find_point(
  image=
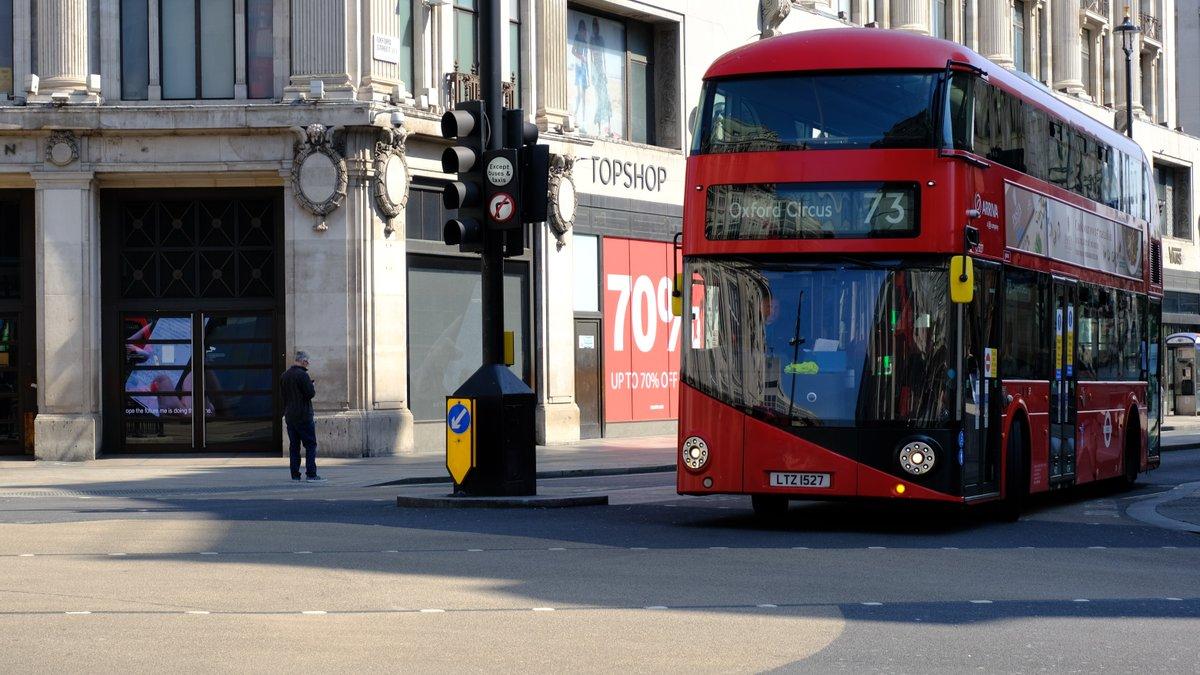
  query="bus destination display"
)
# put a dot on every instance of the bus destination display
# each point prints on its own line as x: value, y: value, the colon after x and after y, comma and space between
x: 811, y: 211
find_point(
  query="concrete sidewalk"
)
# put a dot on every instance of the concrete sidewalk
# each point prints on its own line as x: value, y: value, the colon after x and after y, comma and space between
x: 1181, y: 432
x: 207, y: 474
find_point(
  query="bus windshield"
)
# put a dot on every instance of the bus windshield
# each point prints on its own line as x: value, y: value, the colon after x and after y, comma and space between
x: 810, y: 111
x: 822, y: 344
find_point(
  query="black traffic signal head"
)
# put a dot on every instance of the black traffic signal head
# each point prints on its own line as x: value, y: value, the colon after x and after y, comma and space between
x: 467, y: 234
x: 465, y: 125
x: 517, y: 131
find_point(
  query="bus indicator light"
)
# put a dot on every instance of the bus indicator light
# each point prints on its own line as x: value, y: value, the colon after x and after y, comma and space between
x: 899, y: 489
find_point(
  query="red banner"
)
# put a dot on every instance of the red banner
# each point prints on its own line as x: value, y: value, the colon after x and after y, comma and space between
x: 641, y: 337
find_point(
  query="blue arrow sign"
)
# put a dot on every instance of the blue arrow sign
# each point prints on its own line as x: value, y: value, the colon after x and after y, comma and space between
x: 458, y: 419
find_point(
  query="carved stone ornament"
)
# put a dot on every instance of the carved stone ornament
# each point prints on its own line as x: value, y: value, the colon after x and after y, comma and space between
x: 771, y: 14
x: 563, y: 199
x: 62, y: 148
x: 391, y: 175
x: 319, y: 176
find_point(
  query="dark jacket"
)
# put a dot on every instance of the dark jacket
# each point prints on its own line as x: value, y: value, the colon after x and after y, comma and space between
x: 297, y: 391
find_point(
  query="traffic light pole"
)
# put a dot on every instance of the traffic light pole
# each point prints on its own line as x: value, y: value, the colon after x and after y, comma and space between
x: 492, y: 256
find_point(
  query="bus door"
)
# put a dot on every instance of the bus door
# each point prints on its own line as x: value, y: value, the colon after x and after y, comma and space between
x: 1062, y: 387
x: 979, y: 435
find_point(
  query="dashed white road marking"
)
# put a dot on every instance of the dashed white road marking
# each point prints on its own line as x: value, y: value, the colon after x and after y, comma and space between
x: 1097, y: 548
x: 981, y: 602
x: 474, y: 550
x: 115, y: 555
x: 77, y: 613
x: 556, y: 548
x: 208, y: 553
x: 799, y: 548
x: 543, y: 609
x: 768, y: 606
x: 314, y: 612
x: 950, y: 548
x: 876, y: 548
x: 301, y: 552
x: 26, y: 555
x: 390, y: 550
x: 718, y: 548
x: 873, y: 604
x: 638, y: 548
x: 1174, y: 599
x: 432, y: 611
x: 657, y: 607
x: 197, y: 611
x: 1081, y: 600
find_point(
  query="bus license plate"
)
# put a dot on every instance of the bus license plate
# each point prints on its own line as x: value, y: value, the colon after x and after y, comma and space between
x: 808, y: 480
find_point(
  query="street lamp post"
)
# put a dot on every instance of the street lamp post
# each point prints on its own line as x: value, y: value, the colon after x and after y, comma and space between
x: 1128, y: 33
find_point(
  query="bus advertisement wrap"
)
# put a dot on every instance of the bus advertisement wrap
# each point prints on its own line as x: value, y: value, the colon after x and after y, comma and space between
x: 1048, y: 227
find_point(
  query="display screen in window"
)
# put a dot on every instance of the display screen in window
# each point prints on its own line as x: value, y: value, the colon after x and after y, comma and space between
x: 596, y: 74
x: 811, y: 211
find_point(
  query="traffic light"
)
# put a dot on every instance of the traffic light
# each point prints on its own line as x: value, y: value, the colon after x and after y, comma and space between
x: 533, y: 165
x: 466, y: 124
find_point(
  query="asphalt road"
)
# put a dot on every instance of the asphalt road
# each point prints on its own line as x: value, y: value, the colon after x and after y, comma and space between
x: 325, y: 579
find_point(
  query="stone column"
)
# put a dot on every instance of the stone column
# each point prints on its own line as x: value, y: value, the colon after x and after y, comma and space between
x: 62, y: 27
x: 557, y: 413
x: 67, y: 259
x: 551, y: 29
x: 319, y: 47
x: 1045, y: 33
x: 911, y: 15
x: 344, y: 295
x: 1068, y: 45
x: 970, y: 36
x: 954, y: 21
x: 995, y: 31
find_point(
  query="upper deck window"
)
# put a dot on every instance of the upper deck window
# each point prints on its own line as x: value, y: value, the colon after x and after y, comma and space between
x: 811, y: 111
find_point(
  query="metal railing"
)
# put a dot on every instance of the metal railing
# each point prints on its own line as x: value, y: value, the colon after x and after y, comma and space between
x: 468, y: 87
x: 1151, y: 26
x: 1101, y: 7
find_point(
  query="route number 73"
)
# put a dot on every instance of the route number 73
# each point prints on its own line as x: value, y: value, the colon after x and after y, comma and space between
x: 895, y: 214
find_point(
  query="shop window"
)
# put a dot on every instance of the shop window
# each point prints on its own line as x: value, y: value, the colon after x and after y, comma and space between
x: 466, y: 36
x: 1018, y: 30
x: 611, y: 75
x: 514, y: 50
x: 260, y: 51
x: 1172, y: 186
x: 10, y: 253
x: 196, y: 49
x: 6, y: 47
x: 937, y: 18
x: 445, y: 327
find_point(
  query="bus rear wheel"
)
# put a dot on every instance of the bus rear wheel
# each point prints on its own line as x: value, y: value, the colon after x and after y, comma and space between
x: 1132, y: 457
x: 769, y: 506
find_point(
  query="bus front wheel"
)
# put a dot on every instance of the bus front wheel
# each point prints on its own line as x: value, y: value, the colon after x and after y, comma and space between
x: 1016, y: 479
x: 769, y: 506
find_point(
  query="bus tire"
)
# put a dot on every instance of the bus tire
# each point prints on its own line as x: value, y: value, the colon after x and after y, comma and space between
x: 769, y: 506
x: 1016, y: 481
x: 1132, y: 457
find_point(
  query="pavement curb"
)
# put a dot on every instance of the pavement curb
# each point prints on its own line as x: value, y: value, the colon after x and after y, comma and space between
x: 563, y: 473
x: 530, y: 502
x: 1146, y: 510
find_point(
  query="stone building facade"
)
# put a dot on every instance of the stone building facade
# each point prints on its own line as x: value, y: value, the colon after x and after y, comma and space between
x: 193, y: 189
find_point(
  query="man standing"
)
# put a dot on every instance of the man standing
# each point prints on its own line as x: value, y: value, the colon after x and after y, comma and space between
x: 297, y: 390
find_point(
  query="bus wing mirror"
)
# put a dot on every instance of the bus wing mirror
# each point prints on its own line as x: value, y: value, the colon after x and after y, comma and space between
x: 962, y: 279
x: 677, y: 296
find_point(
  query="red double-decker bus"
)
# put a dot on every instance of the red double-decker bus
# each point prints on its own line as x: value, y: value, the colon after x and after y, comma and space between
x: 910, y: 274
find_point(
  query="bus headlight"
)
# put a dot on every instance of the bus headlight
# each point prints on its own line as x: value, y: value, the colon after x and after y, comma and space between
x: 917, y: 457
x: 695, y: 453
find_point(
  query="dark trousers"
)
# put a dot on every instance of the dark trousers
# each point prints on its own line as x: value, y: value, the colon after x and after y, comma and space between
x: 302, y: 431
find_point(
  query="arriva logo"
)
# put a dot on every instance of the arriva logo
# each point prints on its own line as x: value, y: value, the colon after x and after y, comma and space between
x: 986, y: 208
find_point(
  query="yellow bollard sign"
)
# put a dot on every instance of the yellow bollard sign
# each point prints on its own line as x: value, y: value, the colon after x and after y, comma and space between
x: 460, y: 437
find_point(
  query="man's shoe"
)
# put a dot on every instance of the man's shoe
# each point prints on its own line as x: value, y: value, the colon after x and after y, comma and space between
x: 315, y: 479
x: 296, y: 477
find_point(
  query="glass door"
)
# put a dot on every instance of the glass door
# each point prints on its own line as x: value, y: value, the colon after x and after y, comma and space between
x: 165, y: 379
x: 1062, y: 388
x: 157, y: 382
x: 978, y: 439
x: 239, y: 381
x: 11, y: 419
